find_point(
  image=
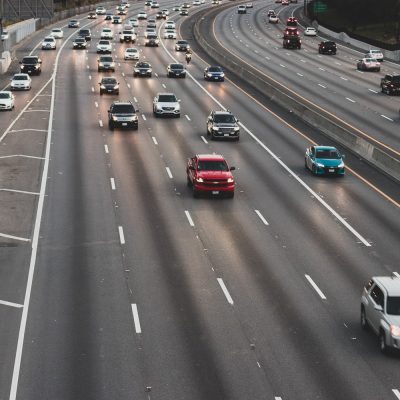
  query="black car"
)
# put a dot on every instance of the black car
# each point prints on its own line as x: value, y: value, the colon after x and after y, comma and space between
x: 292, y: 42
x: 151, y: 40
x: 79, y: 43
x: 176, y: 70
x: 73, y: 23
x: 142, y: 69
x: 214, y: 74
x: 161, y: 15
x: 184, y: 12
x: 108, y: 17
x: 223, y: 125
x: 85, y: 33
x: 123, y: 115
x: 109, y: 84
x: 31, y: 65
x: 327, y: 47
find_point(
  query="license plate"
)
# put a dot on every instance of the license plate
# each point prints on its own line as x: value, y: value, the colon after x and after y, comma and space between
x: 215, y: 192
x: 226, y: 134
x: 215, y: 77
x: 331, y: 170
x: 124, y: 124
x: 109, y: 90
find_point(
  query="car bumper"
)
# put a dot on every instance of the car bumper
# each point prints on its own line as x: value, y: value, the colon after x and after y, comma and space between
x: 142, y: 74
x: 106, y: 68
x: 103, y: 51
x: 177, y: 74
x: 214, y: 78
x: 225, y: 135
x: 126, y: 124
x: 214, y: 189
x: 329, y: 171
x: 6, y: 106
x: 167, y: 112
x: 20, y: 87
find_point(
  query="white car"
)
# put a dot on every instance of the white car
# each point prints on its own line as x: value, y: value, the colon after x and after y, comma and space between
x: 196, y: 2
x: 106, y: 33
x: 57, y: 33
x: 169, y: 34
x: 6, y: 100
x: 100, y: 10
x: 49, y: 43
x: 166, y: 104
x: 155, y: 4
x: 249, y: 5
x: 131, y: 53
x: 21, y: 82
x: 149, y: 31
x: 273, y: 19
x: 170, y: 25
x: 165, y: 11
x: 142, y: 15
x: 104, y: 46
x: 377, y: 54
x: 134, y: 22
x: 310, y: 32
x: 4, y: 35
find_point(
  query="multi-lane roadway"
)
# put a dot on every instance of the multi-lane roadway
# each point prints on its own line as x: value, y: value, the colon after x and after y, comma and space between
x: 115, y: 283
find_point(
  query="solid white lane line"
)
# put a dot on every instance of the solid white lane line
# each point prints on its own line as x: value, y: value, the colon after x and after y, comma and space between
x: 96, y: 104
x: 372, y: 90
x: 136, y: 321
x: 169, y: 172
x: 187, y: 117
x: 90, y: 77
x: 204, y: 139
x: 10, y: 304
x: 100, y: 123
x: 298, y: 73
x: 4, y: 235
x: 135, y: 99
x: 316, y: 288
x: 144, y: 117
x: 112, y: 180
x: 191, y: 223
x: 261, y: 217
x: 163, y: 85
x: 351, y: 100
x: 22, y: 155
x: 283, y: 66
x: 396, y: 393
x: 396, y: 274
x: 225, y: 290
x: 319, y: 84
x: 384, y: 116
x: 154, y: 140
x: 345, y: 79
x: 106, y: 149
x: 278, y: 398
x: 129, y: 85
x: 27, y: 129
x: 18, y: 191
x: 121, y: 234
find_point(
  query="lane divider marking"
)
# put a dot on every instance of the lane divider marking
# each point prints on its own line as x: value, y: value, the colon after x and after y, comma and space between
x: 191, y: 223
x: 4, y: 235
x: 261, y: 217
x: 136, y: 320
x: 169, y: 172
x: 225, y: 291
x: 112, y: 181
x: 316, y: 288
x: 121, y: 234
x: 10, y: 304
x: 106, y: 149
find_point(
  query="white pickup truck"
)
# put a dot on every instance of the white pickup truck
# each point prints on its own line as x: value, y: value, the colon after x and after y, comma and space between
x: 127, y: 35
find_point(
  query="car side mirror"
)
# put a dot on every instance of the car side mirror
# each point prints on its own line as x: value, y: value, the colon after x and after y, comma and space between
x: 232, y: 168
x: 343, y: 156
x: 378, y: 308
x: 20, y: 62
x: 179, y: 100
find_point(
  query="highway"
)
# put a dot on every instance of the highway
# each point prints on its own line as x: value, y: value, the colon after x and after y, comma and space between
x: 115, y: 283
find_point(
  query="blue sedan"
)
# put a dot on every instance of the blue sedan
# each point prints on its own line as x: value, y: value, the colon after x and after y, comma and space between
x: 214, y: 74
x: 324, y: 160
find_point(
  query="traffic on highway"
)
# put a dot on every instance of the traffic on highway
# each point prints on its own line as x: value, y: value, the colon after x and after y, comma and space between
x: 168, y: 231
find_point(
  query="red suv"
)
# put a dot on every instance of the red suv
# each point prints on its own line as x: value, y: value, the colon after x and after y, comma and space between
x: 291, y: 21
x: 290, y: 31
x: 210, y: 173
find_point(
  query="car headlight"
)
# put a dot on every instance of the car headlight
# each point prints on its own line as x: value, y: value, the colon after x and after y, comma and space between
x: 116, y: 86
x: 341, y: 165
x: 209, y: 75
x: 230, y: 180
x: 236, y: 128
x: 215, y: 128
x: 22, y: 66
x: 137, y: 70
x: 36, y: 66
x: 319, y: 165
x: 199, y: 179
x: 102, y: 86
x: 149, y: 70
x: 395, y: 330
x: 114, y: 118
x: 134, y: 118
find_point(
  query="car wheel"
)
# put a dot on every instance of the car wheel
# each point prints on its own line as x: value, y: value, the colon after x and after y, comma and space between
x: 188, y: 181
x: 101, y: 93
x: 195, y: 193
x: 110, y: 126
x: 314, y: 169
x: 363, y: 319
x: 177, y: 115
x: 230, y: 195
x: 382, y: 342
x: 134, y: 75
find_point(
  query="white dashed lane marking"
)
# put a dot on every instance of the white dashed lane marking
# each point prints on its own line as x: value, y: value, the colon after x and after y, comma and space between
x: 316, y: 288
x: 189, y: 218
x: 225, y: 291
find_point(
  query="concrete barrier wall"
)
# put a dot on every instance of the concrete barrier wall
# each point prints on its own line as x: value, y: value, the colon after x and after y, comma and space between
x: 314, y: 116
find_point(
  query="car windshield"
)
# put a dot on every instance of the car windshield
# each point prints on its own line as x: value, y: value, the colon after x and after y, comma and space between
x: 49, y: 40
x: 109, y: 81
x: 328, y: 154
x: 214, y: 69
x: 167, y: 98
x: 181, y: 42
x: 80, y: 40
x: 106, y: 59
x: 104, y: 42
x: 29, y: 60
x: 4, y: 96
x: 106, y: 30
x: 126, y: 32
x: 369, y: 60
x: 212, y: 165
x: 224, y: 118
x: 176, y: 66
x: 393, y: 305
x: 131, y: 50
x: 152, y: 36
x: 395, y: 79
x: 123, y: 109
x: 143, y: 65
x: 20, y: 78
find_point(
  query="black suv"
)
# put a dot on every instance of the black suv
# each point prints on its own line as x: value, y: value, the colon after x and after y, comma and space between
x: 292, y: 42
x: 327, y: 47
x: 176, y: 70
x: 85, y: 33
x: 31, y: 65
x: 142, y: 69
x: 123, y: 115
x: 390, y: 84
x: 109, y: 84
x: 222, y: 124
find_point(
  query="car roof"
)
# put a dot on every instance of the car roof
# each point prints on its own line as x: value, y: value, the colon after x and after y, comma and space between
x: 25, y: 57
x: 221, y: 112
x: 210, y: 157
x: 166, y: 94
x: 325, y: 148
x: 390, y: 283
x: 21, y: 74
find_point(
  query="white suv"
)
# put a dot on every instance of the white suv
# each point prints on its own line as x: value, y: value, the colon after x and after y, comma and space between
x: 377, y: 54
x: 100, y: 10
x: 380, y: 310
x: 104, y: 46
x: 166, y: 104
x: 106, y: 33
x: 127, y: 35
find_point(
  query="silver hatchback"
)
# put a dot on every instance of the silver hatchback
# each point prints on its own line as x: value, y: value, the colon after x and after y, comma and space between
x: 380, y: 310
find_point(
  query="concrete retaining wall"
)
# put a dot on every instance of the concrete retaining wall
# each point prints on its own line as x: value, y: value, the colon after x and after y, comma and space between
x: 307, y: 111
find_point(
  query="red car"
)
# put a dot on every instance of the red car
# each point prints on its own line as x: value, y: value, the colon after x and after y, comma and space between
x: 210, y: 173
x: 290, y: 31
